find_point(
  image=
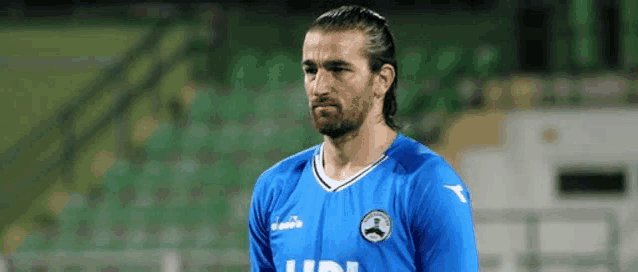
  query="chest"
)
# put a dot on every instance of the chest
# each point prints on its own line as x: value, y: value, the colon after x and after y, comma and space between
x: 348, y: 225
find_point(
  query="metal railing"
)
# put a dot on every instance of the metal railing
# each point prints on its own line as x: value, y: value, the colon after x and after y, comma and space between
x: 226, y: 259
x: 166, y: 260
x: 533, y: 259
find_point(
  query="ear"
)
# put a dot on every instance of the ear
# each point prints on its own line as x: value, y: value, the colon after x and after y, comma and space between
x: 384, y: 79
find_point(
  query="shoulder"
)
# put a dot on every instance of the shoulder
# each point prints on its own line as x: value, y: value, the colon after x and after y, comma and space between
x: 416, y: 158
x: 424, y: 170
x: 284, y: 170
x: 432, y: 186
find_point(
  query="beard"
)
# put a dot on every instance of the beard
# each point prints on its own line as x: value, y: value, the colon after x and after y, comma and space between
x: 335, y: 123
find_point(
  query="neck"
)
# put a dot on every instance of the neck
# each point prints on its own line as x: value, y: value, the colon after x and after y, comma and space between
x: 358, y: 148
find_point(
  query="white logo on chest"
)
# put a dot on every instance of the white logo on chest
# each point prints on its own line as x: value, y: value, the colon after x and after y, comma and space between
x: 292, y: 223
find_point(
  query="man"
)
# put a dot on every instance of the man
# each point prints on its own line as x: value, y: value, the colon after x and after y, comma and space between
x: 367, y: 198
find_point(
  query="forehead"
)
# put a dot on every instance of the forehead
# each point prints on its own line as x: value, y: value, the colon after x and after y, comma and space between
x: 319, y: 46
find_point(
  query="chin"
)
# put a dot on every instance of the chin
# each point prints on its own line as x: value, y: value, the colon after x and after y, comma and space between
x: 336, y: 130
x: 334, y: 133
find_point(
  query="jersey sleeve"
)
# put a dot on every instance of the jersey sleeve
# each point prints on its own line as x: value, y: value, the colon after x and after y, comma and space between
x: 442, y: 224
x: 261, y: 258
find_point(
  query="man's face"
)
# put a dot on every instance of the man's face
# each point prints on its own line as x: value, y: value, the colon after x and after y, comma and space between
x: 338, y: 81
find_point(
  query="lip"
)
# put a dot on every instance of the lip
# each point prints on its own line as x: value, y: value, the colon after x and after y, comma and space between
x: 324, y: 106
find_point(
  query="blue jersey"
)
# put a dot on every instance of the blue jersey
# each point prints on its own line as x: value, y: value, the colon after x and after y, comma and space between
x: 409, y: 211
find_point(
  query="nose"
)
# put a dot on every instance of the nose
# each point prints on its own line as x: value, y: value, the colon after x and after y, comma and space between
x: 321, y: 84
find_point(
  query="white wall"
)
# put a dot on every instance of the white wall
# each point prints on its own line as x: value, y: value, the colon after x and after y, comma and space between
x: 521, y: 174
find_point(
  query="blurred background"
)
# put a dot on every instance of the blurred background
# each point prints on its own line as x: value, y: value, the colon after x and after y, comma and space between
x: 133, y: 133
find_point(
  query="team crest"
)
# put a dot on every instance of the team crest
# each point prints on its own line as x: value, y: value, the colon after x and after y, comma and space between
x: 376, y: 226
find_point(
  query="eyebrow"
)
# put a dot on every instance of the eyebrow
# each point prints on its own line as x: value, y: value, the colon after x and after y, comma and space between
x: 328, y: 63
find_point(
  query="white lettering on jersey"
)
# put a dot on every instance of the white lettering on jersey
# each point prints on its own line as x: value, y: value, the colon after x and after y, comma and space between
x: 352, y: 266
x: 457, y: 189
x: 308, y: 265
x: 324, y: 266
x: 290, y: 266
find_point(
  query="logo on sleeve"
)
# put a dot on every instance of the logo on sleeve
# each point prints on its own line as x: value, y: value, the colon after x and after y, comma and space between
x: 376, y: 226
x: 458, y: 190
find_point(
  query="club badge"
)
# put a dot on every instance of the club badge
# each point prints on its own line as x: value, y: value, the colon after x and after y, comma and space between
x: 376, y: 226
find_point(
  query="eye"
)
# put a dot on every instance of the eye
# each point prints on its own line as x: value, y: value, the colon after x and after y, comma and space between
x: 310, y: 71
x: 338, y: 70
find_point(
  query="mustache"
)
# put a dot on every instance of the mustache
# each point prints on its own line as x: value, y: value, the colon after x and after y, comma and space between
x: 322, y: 102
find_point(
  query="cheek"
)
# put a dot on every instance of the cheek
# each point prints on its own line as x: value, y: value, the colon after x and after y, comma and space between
x: 364, y: 96
x: 357, y: 104
x: 306, y: 86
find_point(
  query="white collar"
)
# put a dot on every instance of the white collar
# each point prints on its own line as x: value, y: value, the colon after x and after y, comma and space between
x: 332, y: 185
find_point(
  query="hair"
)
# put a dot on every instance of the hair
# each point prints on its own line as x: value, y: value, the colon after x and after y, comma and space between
x: 380, y: 46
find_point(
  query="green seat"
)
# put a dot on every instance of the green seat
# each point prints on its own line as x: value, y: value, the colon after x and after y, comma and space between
x: 204, y: 236
x: 161, y: 142
x: 194, y: 138
x: 69, y: 220
x: 202, y: 107
x: 120, y: 176
x: 171, y: 236
x: 34, y: 242
x: 105, y: 215
x: 135, y: 239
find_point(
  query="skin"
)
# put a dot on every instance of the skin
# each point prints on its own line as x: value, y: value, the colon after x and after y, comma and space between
x: 337, y: 77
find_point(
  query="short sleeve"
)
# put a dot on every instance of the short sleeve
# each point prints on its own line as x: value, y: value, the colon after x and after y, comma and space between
x: 442, y: 225
x: 261, y: 258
